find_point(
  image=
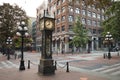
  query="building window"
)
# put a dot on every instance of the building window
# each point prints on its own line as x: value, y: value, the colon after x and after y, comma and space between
x: 77, y: 10
x: 63, y: 28
x: 70, y: 8
x: 103, y: 10
x: 63, y: 18
x: 83, y: 12
x: 83, y: 3
x: 103, y: 17
x: 63, y: 9
x: 58, y: 2
x: 49, y: 1
x: 63, y: 1
x: 98, y: 16
x: 58, y: 20
x: 58, y: 29
x: 94, y: 31
x: 89, y: 13
x: 70, y: 18
x: 70, y: 28
x: 54, y: 6
x: 70, y: 0
x: 93, y: 6
x: 83, y: 21
x: 89, y: 22
x: 50, y: 8
x: 98, y: 23
x: 77, y: 1
x: 94, y: 15
x: 94, y: 23
x: 90, y: 30
x: 89, y: 6
x: 58, y: 11
x: 99, y: 31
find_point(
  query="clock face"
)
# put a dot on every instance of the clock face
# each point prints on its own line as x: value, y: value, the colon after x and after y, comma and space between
x: 49, y: 24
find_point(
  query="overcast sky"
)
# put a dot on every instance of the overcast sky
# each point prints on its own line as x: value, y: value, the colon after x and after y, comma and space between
x: 28, y: 5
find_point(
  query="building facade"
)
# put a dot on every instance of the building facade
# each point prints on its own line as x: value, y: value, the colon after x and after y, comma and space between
x: 39, y: 12
x: 34, y: 35
x: 66, y: 12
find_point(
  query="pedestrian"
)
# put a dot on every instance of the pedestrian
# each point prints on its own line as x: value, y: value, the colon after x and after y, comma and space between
x: 72, y: 50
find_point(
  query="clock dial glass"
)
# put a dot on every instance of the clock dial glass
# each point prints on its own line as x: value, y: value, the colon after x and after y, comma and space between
x: 48, y: 45
x: 48, y: 24
x: 42, y: 25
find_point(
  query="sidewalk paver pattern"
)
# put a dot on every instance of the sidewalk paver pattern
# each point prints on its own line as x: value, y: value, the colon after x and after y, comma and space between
x: 81, y: 67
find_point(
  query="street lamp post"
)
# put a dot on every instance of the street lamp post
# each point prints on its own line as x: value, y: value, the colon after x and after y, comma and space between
x: 22, y: 31
x: 109, y: 39
x: 9, y: 42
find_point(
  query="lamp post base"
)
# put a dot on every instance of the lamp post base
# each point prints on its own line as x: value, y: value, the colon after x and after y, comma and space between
x: 22, y: 66
x: 8, y: 58
x: 109, y: 56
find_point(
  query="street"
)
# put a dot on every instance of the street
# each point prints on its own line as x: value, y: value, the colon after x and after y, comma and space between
x: 92, y: 64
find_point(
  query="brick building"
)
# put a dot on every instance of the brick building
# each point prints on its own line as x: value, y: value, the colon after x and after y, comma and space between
x: 66, y: 13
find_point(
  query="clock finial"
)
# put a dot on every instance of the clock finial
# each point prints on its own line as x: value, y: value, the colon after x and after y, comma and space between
x: 44, y: 13
x: 47, y: 12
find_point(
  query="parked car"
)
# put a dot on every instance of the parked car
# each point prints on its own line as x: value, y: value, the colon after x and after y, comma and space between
x: 115, y: 48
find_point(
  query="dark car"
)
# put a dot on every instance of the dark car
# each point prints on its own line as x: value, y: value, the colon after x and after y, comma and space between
x: 117, y: 48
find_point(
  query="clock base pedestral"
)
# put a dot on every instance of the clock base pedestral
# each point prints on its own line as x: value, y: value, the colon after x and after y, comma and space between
x: 46, y: 67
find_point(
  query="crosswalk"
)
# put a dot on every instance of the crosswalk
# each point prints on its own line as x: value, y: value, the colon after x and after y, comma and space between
x: 110, y: 70
x: 12, y: 64
x: 8, y: 64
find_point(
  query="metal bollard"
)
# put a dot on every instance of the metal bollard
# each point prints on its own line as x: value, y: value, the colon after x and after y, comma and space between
x: 118, y: 53
x: 67, y: 67
x: 104, y: 55
x: 55, y: 65
x: 28, y: 64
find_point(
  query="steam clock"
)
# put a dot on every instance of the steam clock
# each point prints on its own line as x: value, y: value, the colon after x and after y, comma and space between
x: 47, y: 24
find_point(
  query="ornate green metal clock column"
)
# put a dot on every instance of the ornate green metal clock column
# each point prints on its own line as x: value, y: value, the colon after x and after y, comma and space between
x: 46, y: 65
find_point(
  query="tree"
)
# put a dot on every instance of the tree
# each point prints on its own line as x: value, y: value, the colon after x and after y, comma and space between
x: 112, y: 23
x: 97, y: 3
x: 10, y: 15
x: 80, y: 34
x: 112, y: 9
x: 102, y: 4
x: 17, y: 42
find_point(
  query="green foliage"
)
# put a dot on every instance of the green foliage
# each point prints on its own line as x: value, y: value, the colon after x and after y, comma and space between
x: 101, y: 4
x: 112, y: 24
x: 112, y: 8
x: 17, y: 41
x: 80, y: 38
x: 10, y: 15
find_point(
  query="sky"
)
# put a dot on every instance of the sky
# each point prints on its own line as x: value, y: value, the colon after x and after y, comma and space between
x: 28, y: 5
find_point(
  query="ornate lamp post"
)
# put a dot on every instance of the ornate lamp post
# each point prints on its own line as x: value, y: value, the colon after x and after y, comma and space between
x: 9, y: 42
x: 109, y: 40
x: 22, y: 31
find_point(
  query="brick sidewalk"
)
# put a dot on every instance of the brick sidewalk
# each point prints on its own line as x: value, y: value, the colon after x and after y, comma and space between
x: 32, y: 74
x: 99, y: 60
x: 60, y: 74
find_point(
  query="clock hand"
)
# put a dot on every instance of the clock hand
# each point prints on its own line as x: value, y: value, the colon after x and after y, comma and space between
x: 48, y: 23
